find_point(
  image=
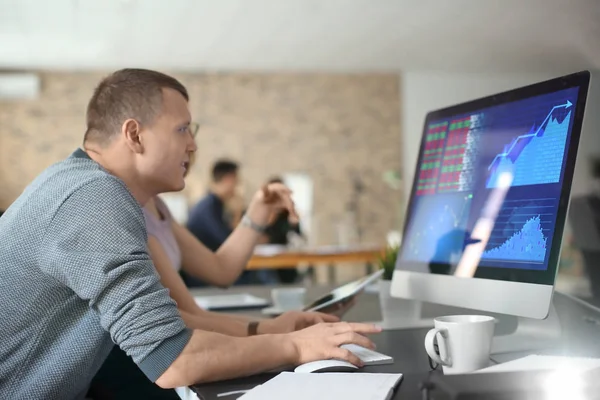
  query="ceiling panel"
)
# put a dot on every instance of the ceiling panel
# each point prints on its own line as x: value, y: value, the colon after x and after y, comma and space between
x: 311, y: 35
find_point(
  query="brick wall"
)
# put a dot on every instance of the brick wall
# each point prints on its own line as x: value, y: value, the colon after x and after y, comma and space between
x: 328, y: 126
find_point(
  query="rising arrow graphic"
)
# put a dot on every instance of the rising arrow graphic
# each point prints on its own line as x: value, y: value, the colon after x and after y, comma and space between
x: 566, y: 106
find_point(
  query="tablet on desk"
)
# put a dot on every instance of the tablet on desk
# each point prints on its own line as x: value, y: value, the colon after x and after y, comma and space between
x: 230, y: 301
x: 343, y: 293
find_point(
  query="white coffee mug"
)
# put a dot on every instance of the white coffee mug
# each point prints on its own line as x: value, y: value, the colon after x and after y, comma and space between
x: 464, y: 342
x: 286, y: 299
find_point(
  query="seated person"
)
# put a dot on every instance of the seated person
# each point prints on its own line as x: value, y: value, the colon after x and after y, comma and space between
x: 172, y: 247
x: 278, y: 232
x: 78, y: 279
x: 207, y: 220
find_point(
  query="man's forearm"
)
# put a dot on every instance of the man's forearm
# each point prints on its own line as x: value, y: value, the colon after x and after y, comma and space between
x: 239, y: 246
x: 212, y: 322
x: 240, y: 318
x: 210, y: 356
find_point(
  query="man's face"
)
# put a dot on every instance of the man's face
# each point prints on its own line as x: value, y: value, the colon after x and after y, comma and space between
x: 167, y: 145
x: 229, y: 184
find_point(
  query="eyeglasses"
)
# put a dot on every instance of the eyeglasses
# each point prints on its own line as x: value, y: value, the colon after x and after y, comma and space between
x: 194, y: 127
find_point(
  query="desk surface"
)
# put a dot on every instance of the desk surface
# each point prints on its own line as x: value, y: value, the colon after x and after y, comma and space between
x: 406, y: 346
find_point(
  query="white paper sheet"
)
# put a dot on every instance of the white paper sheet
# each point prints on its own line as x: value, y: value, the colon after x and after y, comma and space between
x: 326, y: 386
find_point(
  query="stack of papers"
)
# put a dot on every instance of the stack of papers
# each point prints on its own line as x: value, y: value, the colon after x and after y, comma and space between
x: 326, y: 386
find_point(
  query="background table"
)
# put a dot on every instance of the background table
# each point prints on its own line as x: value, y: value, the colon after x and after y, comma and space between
x: 291, y: 258
x: 329, y: 256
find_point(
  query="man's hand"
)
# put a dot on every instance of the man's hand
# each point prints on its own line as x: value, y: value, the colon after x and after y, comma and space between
x: 323, y: 341
x: 272, y: 198
x: 294, y: 320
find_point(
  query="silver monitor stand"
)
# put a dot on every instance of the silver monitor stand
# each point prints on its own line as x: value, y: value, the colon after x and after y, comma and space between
x: 514, y: 336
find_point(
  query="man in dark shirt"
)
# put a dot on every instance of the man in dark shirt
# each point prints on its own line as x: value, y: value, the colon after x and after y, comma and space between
x: 208, y: 220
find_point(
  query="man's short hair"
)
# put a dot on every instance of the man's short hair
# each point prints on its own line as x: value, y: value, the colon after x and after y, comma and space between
x: 222, y: 168
x: 127, y: 93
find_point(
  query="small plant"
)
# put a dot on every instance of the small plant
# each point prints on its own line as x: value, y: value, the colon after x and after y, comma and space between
x: 387, y: 261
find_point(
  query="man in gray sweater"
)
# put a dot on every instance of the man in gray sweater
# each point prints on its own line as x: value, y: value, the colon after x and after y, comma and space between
x: 76, y: 277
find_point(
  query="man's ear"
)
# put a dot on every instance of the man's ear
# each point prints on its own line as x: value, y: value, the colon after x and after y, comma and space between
x: 130, y: 130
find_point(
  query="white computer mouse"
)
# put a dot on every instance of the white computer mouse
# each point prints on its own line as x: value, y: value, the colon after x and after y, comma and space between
x: 326, y: 366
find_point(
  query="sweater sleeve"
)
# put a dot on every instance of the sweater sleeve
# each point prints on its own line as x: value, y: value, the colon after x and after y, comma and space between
x: 96, y: 245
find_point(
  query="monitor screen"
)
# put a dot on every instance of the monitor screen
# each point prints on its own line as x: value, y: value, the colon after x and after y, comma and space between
x: 531, y: 133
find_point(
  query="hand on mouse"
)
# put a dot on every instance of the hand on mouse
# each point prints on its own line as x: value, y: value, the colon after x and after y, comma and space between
x: 294, y: 320
x: 323, y: 341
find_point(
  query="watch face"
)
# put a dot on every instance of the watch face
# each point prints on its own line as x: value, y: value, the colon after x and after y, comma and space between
x: 246, y: 221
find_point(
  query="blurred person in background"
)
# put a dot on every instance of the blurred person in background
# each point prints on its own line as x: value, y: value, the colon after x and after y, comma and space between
x: 207, y: 220
x: 280, y: 230
x: 211, y: 224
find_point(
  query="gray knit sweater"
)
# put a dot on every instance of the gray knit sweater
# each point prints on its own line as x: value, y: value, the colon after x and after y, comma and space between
x: 74, y: 274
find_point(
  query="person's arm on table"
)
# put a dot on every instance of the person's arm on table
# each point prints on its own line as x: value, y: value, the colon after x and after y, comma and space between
x: 96, y: 246
x: 213, y: 323
x: 196, y: 317
x: 225, y: 266
x: 211, y: 356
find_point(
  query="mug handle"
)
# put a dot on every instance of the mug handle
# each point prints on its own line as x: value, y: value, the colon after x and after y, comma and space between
x: 439, y: 336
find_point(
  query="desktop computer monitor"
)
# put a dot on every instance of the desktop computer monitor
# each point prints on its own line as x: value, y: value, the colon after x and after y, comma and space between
x: 489, y: 200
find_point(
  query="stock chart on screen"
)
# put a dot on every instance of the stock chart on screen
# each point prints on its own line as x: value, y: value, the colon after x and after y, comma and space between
x: 535, y: 157
x: 520, y: 231
x: 461, y: 161
x: 432, y: 156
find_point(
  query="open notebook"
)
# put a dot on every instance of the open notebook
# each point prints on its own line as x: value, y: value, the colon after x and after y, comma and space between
x: 326, y: 386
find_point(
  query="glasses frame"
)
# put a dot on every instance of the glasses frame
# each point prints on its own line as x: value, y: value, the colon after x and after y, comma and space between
x: 193, y: 128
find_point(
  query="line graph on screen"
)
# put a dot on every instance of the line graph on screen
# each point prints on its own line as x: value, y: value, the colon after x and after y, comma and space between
x: 537, y: 156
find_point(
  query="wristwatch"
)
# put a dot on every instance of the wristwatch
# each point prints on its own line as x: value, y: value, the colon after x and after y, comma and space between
x: 246, y: 221
x: 253, y: 328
